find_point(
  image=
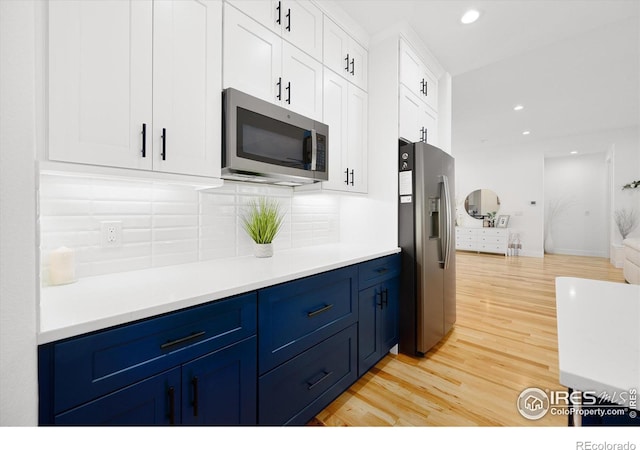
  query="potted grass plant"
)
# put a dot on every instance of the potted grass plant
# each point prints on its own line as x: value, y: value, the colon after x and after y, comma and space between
x: 262, y: 221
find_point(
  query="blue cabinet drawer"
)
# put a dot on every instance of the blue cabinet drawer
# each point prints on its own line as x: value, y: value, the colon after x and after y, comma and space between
x: 377, y: 270
x: 297, y: 315
x: 87, y: 367
x: 295, y: 392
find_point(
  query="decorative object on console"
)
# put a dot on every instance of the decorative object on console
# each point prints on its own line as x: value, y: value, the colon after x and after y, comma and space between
x: 262, y: 222
x: 503, y: 221
x: 626, y: 220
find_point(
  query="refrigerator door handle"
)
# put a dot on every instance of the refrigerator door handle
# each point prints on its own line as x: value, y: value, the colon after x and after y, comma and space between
x: 448, y: 232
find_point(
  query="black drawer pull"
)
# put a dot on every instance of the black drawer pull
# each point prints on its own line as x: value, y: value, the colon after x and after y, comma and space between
x: 182, y: 340
x: 382, y: 270
x: 324, y: 377
x: 144, y: 140
x: 164, y: 144
x: 325, y: 308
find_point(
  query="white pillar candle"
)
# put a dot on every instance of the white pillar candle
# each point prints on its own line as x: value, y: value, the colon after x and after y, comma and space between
x: 62, y: 268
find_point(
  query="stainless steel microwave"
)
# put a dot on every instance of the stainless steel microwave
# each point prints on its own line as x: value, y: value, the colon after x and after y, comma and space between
x: 266, y: 143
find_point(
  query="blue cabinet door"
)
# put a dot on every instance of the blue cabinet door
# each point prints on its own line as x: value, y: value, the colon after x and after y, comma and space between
x: 370, y: 311
x: 220, y: 388
x: 154, y: 401
x: 389, y: 322
x: 377, y: 322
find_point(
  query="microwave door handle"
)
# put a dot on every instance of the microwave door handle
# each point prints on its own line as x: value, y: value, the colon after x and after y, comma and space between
x: 314, y: 149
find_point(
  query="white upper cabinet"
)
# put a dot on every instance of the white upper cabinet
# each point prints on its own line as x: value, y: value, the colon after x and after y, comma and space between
x: 260, y: 63
x: 345, y: 112
x: 252, y: 56
x: 187, y: 53
x: 417, y: 121
x: 299, y: 22
x: 302, y: 92
x: 344, y: 55
x: 100, y: 73
x: 124, y: 74
x: 415, y: 75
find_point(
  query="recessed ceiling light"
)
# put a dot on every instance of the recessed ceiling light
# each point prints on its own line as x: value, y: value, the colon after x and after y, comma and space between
x: 518, y: 107
x: 574, y: 152
x: 526, y: 132
x: 470, y: 16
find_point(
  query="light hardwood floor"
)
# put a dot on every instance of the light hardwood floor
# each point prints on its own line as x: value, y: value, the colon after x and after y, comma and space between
x: 504, y: 340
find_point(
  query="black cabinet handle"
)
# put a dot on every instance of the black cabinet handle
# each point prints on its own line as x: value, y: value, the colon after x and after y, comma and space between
x: 385, y: 298
x: 288, y: 27
x: 422, y: 86
x: 426, y: 90
x: 347, y: 174
x: 422, y: 134
x: 288, y: 100
x: 144, y: 140
x: 194, y: 383
x: 347, y: 61
x: 164, y: 143
x: 381, y: 300
x: 425, y: 135
x: 172, y: 406
x: 353, y: 66
x: 182, y: 340
x: 279, y: 9
x: 279, y: 84
x: 325, y: 308
x: 382, y: 270
x: 324, y: 377
x: 352, y: 177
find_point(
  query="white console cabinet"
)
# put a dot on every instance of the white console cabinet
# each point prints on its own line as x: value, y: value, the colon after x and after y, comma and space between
x: 490, y: 240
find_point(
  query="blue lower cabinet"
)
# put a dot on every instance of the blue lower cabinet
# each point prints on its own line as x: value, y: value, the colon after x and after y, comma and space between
x: 293, y: 393
x: 220, y: 388
x: 154, y: 401
x: 127, y: 374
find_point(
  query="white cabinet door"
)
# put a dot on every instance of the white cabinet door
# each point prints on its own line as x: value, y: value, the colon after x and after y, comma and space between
x: 100, y: 79
x: 343, y: 55
x: 299, y: 22
x: 187, y: 86
x: 345, y: 112
x: 252, y: 57
x: 409, y: 116
x: 417, y: 77
x: 417, y: 121
x: 429, y: 121
x: 302, y: 82
x: 302, y: 26
x: 336, y: 117
x: 357, y: 129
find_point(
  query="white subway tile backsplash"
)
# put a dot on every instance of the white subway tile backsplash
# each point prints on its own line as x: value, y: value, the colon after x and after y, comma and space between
x: 164, y: 224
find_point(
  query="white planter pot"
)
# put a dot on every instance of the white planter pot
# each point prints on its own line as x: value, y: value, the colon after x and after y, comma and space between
x: 263, y: 250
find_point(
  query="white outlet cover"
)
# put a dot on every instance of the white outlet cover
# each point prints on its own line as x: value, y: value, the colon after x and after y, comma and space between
x: 111, y: 234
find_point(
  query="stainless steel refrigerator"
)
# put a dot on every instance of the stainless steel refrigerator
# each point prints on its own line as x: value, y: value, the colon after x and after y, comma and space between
x: 426, y: 235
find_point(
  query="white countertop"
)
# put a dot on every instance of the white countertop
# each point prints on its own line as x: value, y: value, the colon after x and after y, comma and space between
x: 98, y: 302
x: 598, y: 335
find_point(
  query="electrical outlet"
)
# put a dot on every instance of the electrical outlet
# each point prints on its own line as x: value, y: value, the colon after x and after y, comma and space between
x: 111, y: 234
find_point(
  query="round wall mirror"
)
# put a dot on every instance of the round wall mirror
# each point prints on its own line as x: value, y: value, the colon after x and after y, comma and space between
x: 481, y: 202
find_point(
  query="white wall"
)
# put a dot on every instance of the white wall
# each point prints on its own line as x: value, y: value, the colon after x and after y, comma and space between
x: 516, y: 174
x: 578, y: 185
x: 18, y: 266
